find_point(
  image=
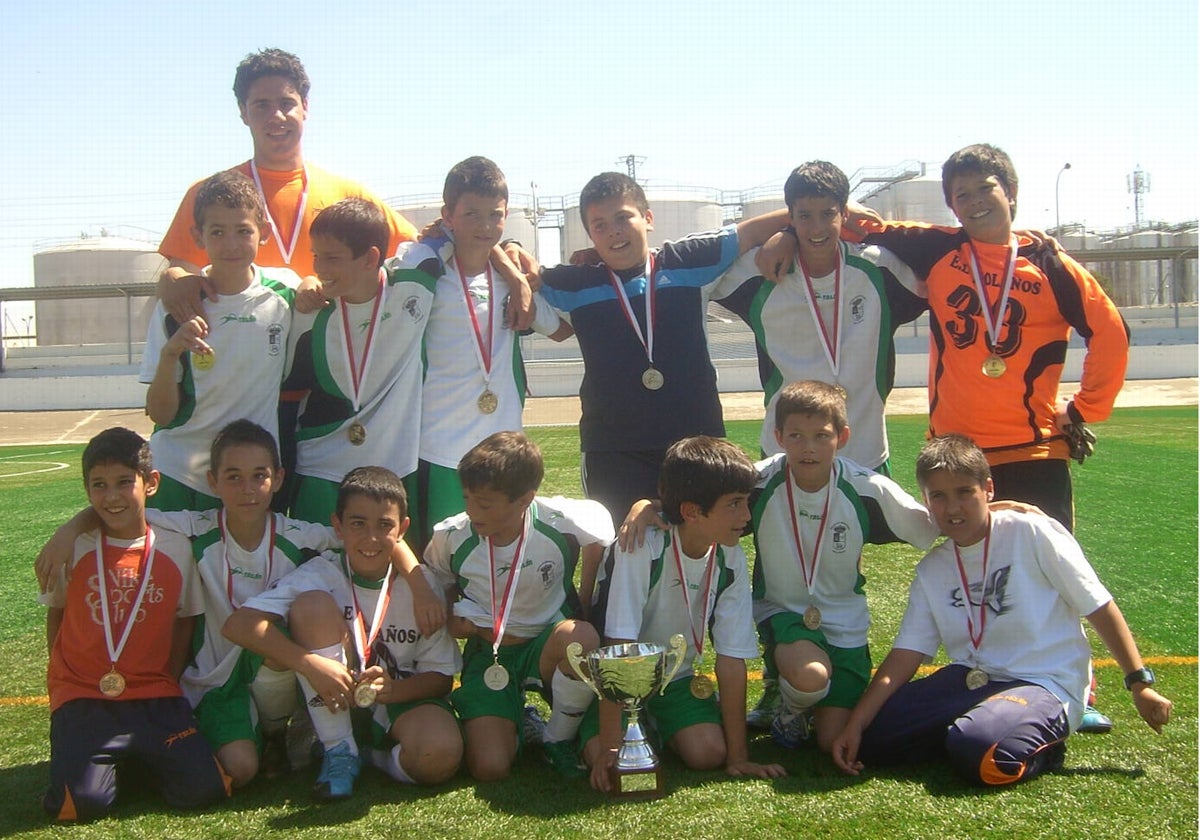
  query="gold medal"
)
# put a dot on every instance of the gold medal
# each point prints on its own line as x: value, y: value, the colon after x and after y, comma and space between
x: 203, y: 361
x: 357, y: 433
x: 976, y: 678
x: 812, y: 618
x: 994, y: 367
x: 112, y: 684
x: 652, y: 379
x: 495, y: 677
x: 487, y: 402
x: 702, y: 687
x: 365, y: 694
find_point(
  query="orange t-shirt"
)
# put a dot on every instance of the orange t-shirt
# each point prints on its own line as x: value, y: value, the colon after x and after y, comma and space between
x: 79, y: 657
x: 1010, y: 417
x: 282, y: 190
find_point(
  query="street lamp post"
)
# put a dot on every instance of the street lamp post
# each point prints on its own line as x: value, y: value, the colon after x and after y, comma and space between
x: 1057, y: 218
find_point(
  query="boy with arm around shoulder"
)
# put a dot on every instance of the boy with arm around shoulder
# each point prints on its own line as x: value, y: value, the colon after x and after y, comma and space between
x: 1003, y: 595
x: 228, y: 364
x: 813, y: 512
x: 355, y: 644
x: 511, y: 558
x: 687, y: 579
x: 114, y: 690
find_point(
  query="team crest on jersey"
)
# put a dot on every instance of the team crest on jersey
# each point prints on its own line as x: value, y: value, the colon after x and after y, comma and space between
x: 413, y: 307
x: 838, y: 535
x: 546, y: 570
x: 274, y: 339
x: 858, y: 309
x: 994, y: 594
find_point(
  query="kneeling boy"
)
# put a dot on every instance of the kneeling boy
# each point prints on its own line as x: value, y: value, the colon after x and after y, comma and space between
x: 114, y: 688
x: 395, y: 671
x: 685, y: 579
x: 512, y: 557
x: 1003, y: 595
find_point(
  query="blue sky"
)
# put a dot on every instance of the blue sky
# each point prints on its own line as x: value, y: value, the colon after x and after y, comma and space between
x: 112, y: 108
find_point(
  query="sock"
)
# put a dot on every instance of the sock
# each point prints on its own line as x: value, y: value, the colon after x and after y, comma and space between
x: 331, y: 728
x: 796, y: 700
x: 389, y: 762
x: 274, y: 694
x: 571, y: 700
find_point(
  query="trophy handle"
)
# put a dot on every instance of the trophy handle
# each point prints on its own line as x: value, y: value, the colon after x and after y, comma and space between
x: 575, y: 658
x: 678, y: 647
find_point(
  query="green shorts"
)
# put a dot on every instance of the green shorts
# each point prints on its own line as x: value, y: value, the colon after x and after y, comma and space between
x: 440, y: 494
x: 473, y: 699
x: 664, y: 714
x: 373, y: 726
x: 225, y: 713
x: 851, y: 666
x: 174, y: 495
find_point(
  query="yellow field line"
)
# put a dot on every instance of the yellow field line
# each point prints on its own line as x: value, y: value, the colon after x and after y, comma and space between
x: 43, y: 700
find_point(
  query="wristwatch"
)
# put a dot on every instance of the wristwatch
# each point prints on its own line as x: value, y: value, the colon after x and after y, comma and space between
x: 1141, y: 675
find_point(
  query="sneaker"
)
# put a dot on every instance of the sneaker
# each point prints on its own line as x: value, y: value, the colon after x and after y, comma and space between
x: 339, y: 769
x: 274, y: 761
x: 1094, y: 721
x: 790, y: 729
x: 763, y: 715
x: 533, y: 728
x: 562, y: 757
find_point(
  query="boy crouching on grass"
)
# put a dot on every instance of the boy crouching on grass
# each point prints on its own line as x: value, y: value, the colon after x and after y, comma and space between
x: 512, y: 556
x: 687, y: 579
x: 119, y: 625
x: 1003, y: 595
x: 356, y: 646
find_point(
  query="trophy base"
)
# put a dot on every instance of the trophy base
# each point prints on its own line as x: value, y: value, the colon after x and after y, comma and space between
x: 642, y: 783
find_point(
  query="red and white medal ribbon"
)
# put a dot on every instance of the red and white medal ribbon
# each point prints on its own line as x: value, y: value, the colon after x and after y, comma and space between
x: 993, y: 318
x: 482, y: 344
x: 145, y: 567
x: 364, y: 638
x: 358, y: 373
x: 225, y: 556
x: 500, y: 616
x: 697, y: 637
x: 975, y: 631
x: 831, y: 342
x: 809, y: 573
x: 647, y: 339
x: 284, y: 251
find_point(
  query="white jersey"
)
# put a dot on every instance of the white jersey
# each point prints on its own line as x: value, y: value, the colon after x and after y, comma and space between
x: 544, y: 592
x: 389, y: 395
x: 878, y: 293
x: 249, y: 335
x: 641, y: 596
x: 451, y: 421
x: 1038, y: 585
x: 864, y: 507
x: 231, y: 575
x: 399, y: 648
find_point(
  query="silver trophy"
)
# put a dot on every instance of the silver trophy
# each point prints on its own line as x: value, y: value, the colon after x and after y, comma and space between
x: 627, y: 675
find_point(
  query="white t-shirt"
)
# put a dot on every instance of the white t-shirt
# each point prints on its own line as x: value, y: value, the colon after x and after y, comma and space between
x: 545, y: 589
x: 229, y: 571
x: 1038, y: 585
x: 864, y: 507
x: 643, y: 598
x: 451, y: 422
x: 399, y: 648
x: 249, y: 335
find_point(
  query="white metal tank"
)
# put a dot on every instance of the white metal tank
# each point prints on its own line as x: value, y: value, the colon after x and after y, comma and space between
x: 94, y: 261
x: 914, y: 200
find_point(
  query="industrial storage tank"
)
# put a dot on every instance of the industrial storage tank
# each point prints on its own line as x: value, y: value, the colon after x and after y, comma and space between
x: 913, y: 200
x: 95, y: 261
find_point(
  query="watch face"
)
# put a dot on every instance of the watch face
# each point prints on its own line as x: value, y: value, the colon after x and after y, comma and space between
x: 1142, y: 675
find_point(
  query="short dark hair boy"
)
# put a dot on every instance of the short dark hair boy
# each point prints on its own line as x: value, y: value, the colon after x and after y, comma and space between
x: 358, y: 223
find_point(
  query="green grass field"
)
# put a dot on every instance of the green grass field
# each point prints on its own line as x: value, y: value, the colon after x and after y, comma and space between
x: 1136, y: 505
